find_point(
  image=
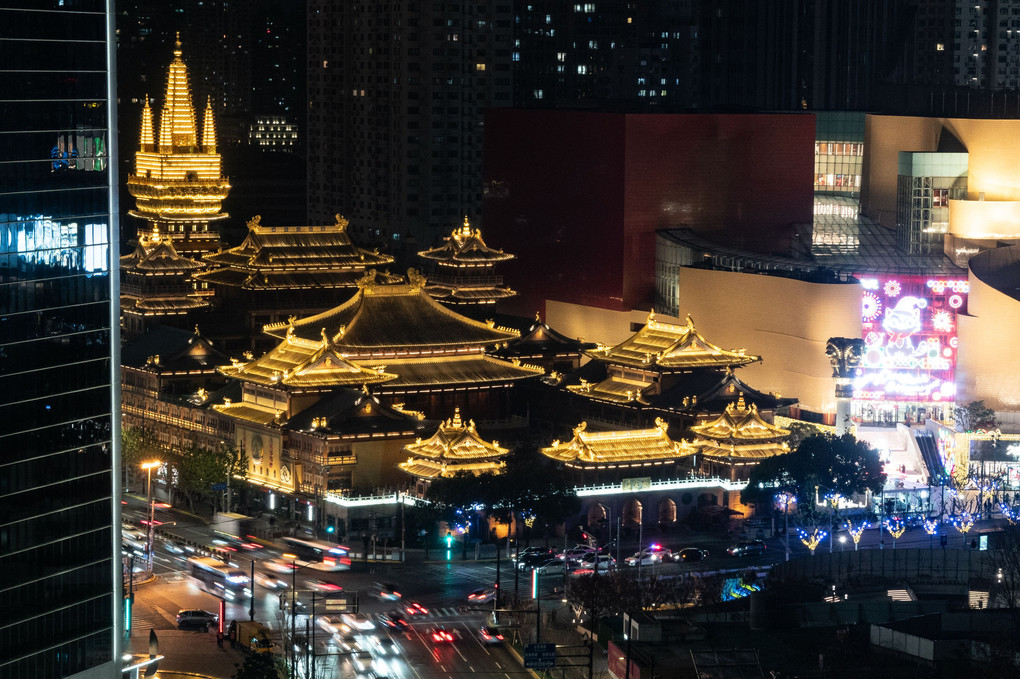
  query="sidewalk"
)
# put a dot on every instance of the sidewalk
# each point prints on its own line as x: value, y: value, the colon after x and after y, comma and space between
x: 185, y: 650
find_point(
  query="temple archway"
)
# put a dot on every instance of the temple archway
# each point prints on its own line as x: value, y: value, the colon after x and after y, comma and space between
x: 667, y: 513
x: 632, y: 514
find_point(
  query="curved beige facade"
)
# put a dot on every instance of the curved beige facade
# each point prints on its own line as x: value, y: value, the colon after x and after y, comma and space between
x: 990, y: 333
x: 787, y: 322
x: 983, y: 219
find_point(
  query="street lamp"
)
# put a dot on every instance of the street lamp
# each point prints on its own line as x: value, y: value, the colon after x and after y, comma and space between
x: 148, y: 467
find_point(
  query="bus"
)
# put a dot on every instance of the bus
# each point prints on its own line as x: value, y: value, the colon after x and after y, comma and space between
x: 325, y: 556
x: 220, y: 579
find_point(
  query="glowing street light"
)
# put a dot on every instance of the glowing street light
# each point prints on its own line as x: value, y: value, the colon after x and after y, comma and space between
x: 857, y: 531
x: 148, y: 467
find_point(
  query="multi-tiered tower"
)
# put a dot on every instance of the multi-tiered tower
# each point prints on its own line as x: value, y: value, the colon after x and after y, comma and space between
x: 178, y: 182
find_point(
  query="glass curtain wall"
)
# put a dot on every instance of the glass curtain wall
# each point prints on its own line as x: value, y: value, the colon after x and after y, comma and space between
x: 60, y: 568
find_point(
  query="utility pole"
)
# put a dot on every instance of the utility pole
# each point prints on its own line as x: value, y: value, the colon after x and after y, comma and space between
x: 251, y: 606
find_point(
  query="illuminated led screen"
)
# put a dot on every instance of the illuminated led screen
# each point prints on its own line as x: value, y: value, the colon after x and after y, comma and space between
x: 909, y: 330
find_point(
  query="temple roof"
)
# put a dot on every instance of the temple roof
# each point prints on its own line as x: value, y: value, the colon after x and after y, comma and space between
x: 739, y: 424
x: 350, y: 413
x: 464, y: 294
x: 283, y: 257
x: 168, y: 350
x: 670, y: 347
x: 608, y: 449
x: 394, y: 320
x: 465, y: 247
x: 474, y: 369
x: 455, y: 447
x: 303, y: 363
x: 541, y: 340
x: 155, y: 253
x: 711, y: 391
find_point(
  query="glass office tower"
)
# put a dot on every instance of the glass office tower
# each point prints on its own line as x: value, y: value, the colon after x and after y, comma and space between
x: 60, y: 570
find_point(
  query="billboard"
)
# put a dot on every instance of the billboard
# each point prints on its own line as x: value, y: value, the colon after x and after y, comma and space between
x: 909, y: 330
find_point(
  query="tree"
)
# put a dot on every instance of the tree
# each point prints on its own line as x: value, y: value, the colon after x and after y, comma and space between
x: 195, y: 469
x: 834, y: 464
x: 138, y: 444
x: 258, y: 666
x: 974, y: 416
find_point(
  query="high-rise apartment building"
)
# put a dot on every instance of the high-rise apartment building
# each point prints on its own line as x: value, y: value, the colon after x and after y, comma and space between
x: 60, y: 570
x: 396, y: 93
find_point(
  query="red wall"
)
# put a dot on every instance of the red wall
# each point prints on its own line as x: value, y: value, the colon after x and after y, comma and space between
x: 578, y: 196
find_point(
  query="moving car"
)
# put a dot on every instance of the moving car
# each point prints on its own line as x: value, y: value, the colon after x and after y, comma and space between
x: 648, y: 556
x: 747, y: 548
x: 575, y: 554
x: 600, y: 564
x: 440, y: 635
x: 393, y: 620
x: 415, y: 608
x: 533, y: 551
x: 278, y: 565
x: 384, y: 591
x: 322, y: 585
x: 348, y: 643
x: 358, y: 621
x: 270, y: 581
x: 550, y: 567
x: 385, y: 646
x: 490, y: 636
x: 480, y: 596
x: 194, y: 617
x: 690, y: 554
x: 331, y: 623
x: 528, y: 561
x: 362, y: 661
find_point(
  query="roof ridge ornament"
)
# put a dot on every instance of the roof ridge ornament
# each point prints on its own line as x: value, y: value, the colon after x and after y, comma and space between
x: 415, y: 279
x: 341, y: 223
x: 255, y: 223
x: 367, y: 282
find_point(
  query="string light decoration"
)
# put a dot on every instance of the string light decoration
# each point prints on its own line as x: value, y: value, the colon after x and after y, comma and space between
x: 857, y: 531
x: 931, y: 526
x: 896, y: 527
x: 1008, y: 513
x: 813, y: 539
x: 963, y: 523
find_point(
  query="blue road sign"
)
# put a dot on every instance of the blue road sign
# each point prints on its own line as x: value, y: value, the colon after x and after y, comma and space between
x: 219, y: 486
x: 540, y: 656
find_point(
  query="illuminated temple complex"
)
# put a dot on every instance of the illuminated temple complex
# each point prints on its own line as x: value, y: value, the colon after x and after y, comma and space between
x: 279, y: 271
x: 157, y: 287
x: 731, y: 444
x: 540, y: 345
x: 464, y: 269
x: 667, y: 370
x: 417, y: 357
x: 178, y: 183
x: 455, y: 447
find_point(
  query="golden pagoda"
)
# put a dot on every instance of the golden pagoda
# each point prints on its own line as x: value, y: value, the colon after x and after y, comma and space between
x: 455, y: 447
x: 648, y: 364
x: 178, y: 183
x: 464, y: 269
x: 416, y: 351
x: 620, y: 450
x: 156, y: 286
x: 731, y: 444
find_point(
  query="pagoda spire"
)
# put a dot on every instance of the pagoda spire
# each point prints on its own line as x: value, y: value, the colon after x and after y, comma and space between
x: 148, y: 140
x: 208, y: 128
x: 177, y: 120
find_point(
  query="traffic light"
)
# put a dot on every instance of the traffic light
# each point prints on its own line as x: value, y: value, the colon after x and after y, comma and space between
x: 330, y: 528
x: 449, y: 539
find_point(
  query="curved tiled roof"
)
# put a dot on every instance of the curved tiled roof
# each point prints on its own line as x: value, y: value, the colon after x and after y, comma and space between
x: 672, y: 347
x: 606, y: 449
x: 465, y: 247
x: 740, y: 432
x: 394, y: 319
x: 455, y: 447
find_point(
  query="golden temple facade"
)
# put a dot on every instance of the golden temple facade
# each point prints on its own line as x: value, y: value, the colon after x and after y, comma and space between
x: 731, y: 444
x: 456, y: 447
x: 651, y: 362
x: 178, y: 183
x: 156, y: 286
x: 624, y: 450
x: 464, y: 269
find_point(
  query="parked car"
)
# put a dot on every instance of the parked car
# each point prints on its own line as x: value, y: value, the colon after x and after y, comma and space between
x: 690, y: 554
x: 384, y: 591
x: 481, y: 596
x: 194, y: 617
x: 490, y: 636
x: 747, y: 548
